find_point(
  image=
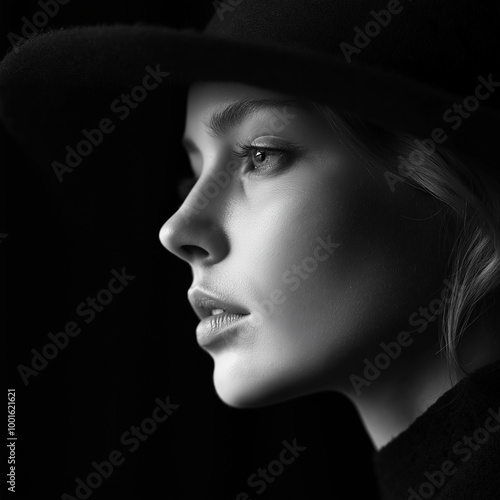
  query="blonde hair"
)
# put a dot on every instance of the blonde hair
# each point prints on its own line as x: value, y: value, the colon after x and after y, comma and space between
x: 471, y: 199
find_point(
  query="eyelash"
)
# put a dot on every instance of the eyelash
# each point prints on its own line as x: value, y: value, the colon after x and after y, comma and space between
x: 247, y: 150
x: 185, y: 185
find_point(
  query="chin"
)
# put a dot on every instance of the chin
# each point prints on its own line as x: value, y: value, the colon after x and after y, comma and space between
x: 238, y: 386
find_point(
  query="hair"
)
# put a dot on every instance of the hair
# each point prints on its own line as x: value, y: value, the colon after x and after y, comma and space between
x: 470, y: 199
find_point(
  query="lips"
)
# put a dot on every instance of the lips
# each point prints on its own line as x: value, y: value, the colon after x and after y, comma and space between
x: 217, y: 306
x: 220, y: 318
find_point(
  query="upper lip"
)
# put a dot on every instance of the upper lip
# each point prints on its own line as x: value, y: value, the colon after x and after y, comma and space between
x: 204, y: 302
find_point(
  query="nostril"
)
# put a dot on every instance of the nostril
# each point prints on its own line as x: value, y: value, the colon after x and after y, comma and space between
x: 193, y: 252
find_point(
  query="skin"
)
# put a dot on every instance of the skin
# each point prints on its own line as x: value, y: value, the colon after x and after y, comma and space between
x: 390, y: 261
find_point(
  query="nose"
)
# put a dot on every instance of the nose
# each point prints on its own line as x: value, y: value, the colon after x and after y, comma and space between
x: 194, y: 233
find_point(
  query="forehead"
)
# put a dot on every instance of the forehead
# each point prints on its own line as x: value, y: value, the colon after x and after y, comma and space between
x: 209, y: 96
x: 218, y: 107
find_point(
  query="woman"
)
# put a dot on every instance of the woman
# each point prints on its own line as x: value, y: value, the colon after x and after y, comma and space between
x: 343, y: 229
x: 313, y: 269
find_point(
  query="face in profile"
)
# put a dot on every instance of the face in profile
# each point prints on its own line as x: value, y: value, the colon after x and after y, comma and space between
x: 310, y: 255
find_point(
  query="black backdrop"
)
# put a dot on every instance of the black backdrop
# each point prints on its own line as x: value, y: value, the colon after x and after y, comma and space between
x: 63, y: 242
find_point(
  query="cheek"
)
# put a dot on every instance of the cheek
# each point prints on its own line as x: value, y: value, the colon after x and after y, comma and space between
x: 327, y: 259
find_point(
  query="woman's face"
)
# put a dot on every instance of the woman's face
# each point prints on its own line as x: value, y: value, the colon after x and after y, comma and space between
x: 324, y: 254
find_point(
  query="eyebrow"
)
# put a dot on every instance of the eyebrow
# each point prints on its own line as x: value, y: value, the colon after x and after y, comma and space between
x: 233, y: 114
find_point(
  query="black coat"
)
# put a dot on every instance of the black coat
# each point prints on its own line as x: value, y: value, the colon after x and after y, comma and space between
x: 452, y: 451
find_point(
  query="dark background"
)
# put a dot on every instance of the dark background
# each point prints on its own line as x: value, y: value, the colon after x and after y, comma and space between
x: 63, y: 241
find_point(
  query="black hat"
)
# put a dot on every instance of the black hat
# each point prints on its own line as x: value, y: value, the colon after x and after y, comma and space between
x: 431, y: 69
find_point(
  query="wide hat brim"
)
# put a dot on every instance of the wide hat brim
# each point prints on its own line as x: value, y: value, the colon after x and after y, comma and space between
x: 47, y: 82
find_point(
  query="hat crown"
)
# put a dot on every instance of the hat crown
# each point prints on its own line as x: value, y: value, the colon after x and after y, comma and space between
x: 446, y: 44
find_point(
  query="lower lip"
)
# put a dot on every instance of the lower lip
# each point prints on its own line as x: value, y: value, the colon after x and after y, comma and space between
x: 214, y: 328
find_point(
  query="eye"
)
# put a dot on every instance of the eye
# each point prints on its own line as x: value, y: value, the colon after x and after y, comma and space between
x: 267, y: 158
x: 261, y: 158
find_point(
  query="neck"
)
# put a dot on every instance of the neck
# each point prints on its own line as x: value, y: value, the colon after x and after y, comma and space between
x: 414, y: 381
